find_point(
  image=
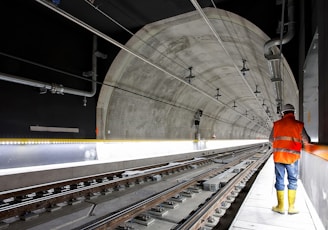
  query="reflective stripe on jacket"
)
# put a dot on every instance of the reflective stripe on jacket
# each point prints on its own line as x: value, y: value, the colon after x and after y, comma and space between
x: 287, y: 139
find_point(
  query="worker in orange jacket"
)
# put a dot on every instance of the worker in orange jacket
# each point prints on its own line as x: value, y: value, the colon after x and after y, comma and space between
x: 287, y: 137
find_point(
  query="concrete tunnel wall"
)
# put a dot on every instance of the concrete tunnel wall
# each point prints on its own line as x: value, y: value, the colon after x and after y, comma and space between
x: 148, y: 103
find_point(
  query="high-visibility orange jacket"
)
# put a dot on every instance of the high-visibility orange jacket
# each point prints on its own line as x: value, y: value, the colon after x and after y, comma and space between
x: 287, y: 139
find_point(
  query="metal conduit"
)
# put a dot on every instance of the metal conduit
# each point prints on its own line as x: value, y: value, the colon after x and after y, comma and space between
x: 274, y: 59
x: 53, y: 88
x: 58, y: 88
x: 114, y: 42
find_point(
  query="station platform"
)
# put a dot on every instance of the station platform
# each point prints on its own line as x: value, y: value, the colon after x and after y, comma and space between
x: 256, y: 213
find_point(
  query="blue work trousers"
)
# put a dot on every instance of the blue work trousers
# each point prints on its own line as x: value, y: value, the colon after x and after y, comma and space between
x: 292, y: 174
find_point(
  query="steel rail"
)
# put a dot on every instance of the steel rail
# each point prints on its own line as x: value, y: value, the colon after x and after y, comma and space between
x: 47, y: 186
x: 114, y: 220
x: 199, y: 217
x: 31, y: 204
x: 13, y: 208
x: 42, y: 187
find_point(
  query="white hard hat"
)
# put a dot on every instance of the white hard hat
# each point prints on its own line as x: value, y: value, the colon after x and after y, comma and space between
x: 287, y: 107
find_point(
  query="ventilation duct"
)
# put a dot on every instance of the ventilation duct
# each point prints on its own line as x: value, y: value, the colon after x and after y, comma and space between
x: 274, y: 57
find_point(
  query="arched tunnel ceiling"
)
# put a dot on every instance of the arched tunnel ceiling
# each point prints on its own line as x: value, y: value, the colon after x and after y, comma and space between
x: 153, y: 99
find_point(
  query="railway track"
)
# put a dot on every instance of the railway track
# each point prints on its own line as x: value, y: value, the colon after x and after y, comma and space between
x: 219, y: 200
x: 216, y: 203
x: 22, y: 202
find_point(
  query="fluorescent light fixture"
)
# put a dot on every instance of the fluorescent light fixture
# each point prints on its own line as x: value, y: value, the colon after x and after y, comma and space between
x: 54, y: 129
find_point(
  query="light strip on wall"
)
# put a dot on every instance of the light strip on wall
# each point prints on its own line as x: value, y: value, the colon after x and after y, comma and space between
x: 54, y: 129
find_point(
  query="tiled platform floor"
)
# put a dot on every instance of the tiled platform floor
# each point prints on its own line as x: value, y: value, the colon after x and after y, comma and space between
x: 256, y: 213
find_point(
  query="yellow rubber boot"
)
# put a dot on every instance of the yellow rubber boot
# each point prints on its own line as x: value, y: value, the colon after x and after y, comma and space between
x: 291, y: 202
x: 280, y: 207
